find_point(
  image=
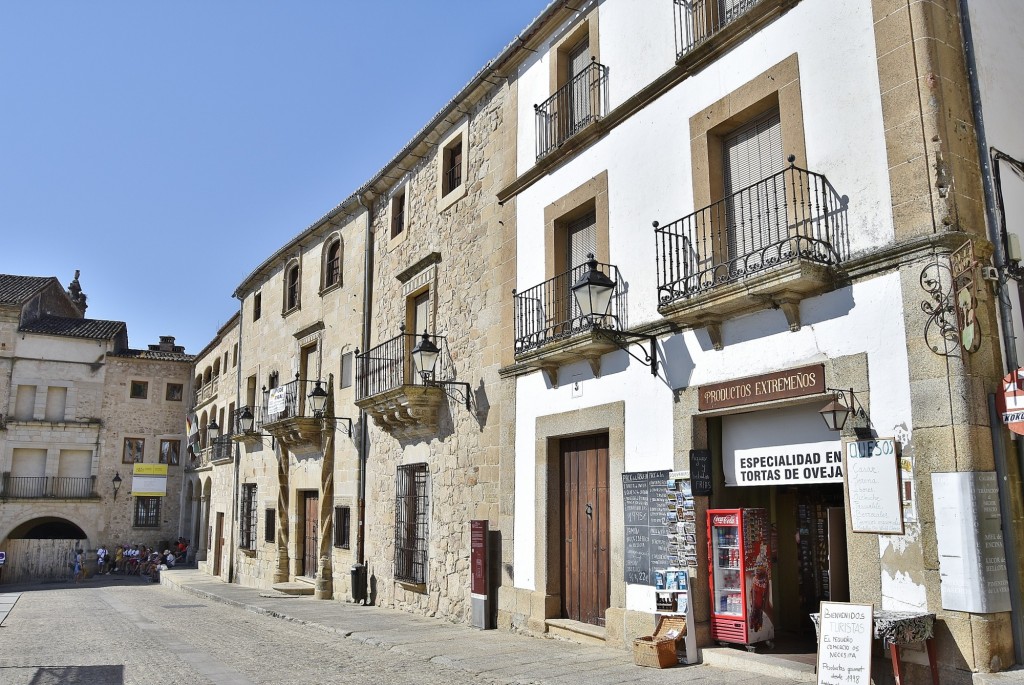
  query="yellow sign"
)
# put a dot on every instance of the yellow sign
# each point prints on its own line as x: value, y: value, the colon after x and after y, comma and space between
x: 150, y: 470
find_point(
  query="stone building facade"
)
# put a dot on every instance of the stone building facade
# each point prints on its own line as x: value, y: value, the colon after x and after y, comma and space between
x: 82, y: 412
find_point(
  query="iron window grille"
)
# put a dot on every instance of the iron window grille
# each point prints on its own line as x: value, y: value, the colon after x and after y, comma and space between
x: 269, y: 527
x: 453, y: 169
x: 411, y: 523
x: 342, y: 521
x: 147, y: 512
x: 247, y: 524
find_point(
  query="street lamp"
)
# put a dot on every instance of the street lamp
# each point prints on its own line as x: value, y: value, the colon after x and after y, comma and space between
x: 246, y: 420
x: 213, y: 430
x: 116, y: 482
x: 318, y: 400
x: 836, y: 412
x: 593, y: 292
x: 425, y: 355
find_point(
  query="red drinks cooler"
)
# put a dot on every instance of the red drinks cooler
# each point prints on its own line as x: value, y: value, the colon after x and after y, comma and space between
x: 740, y: 575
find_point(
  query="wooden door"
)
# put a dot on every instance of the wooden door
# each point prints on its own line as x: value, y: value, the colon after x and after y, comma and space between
x: 586, y: 582
x: 310, y: 539
x: 309, y: 371
x: 218, y: 542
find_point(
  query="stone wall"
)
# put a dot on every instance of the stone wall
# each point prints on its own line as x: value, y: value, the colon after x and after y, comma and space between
x: 467, y: 253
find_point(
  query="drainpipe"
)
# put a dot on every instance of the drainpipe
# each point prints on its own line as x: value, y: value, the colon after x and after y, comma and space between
x: 364, y: 446
x: 237, y: 460
x: 997, y: 234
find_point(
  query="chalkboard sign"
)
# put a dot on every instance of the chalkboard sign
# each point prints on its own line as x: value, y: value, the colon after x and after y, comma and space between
x: 645, y: 512
x: 700, y: 472
x: 873, y: 486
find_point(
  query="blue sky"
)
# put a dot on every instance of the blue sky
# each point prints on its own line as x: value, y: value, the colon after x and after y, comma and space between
x: 166, y: 149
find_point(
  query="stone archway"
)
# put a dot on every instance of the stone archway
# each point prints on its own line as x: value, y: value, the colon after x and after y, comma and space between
x: 40, y: 549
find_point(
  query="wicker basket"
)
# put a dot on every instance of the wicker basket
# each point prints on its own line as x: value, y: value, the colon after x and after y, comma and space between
x: 659, y: 650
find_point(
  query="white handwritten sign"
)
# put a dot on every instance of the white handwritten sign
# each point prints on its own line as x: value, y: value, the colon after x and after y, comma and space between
x: 277, y: 400
x: 873, y: 486
x: 844, y: 643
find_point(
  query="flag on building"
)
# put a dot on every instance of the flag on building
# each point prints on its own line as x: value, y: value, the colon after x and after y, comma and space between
x: 192, y: 427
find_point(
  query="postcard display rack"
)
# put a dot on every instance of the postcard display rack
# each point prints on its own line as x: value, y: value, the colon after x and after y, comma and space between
x: 739, y: 559
x: 671, y: 585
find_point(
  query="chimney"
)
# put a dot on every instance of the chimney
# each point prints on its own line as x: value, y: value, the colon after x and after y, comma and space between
x: 166, y: 343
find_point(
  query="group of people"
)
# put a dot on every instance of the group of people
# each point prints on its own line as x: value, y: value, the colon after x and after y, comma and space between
x: 134, y: 560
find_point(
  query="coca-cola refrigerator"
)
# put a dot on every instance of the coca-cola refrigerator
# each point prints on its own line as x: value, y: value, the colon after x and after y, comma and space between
x: 740, y: 576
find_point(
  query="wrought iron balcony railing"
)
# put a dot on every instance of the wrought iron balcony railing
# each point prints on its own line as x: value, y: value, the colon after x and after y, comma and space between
x: 390, y: 365
x: 54, y: 487
x: 289, y: 401
x: 792, y: 215
x: 258, y: 418
x: 549, y: 312
x: 579, y: 102
x: 698, y: 20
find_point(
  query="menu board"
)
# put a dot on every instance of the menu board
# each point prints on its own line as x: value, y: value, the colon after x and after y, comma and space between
x: 873, y: 486
x: 844, y: 644
x: 646, y: 527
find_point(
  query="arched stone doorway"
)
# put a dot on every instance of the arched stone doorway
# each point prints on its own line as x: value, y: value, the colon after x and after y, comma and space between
x: 41, y: 549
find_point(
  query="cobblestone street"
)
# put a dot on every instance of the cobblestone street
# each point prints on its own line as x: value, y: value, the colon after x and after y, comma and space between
x: 112, y: 631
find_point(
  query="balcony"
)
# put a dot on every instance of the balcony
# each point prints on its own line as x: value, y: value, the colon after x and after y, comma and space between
x: 550, y: 329
x: 221, y: 449
x: 206, y: 392
x: 48, y: 487
x: 288, y: 414
x: 771, y: 244
x: 579, y: 103
x: 697, y: 21
x: 392, y: 390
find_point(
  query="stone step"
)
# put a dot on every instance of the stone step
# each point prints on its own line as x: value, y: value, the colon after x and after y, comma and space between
x: 296, y: 587
x: 584, y: 633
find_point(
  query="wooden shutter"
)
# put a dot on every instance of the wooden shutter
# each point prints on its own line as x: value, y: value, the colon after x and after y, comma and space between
x: 751, y: 155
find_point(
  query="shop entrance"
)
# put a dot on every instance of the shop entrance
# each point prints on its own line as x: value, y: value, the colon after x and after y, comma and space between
x: 586, y: 582
x: 310, y: 539
x: 807, y: 514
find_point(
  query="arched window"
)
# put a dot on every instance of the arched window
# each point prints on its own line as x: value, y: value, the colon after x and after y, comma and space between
x: 216, y: 368
x: 332, y: 264
x: 291, y: 287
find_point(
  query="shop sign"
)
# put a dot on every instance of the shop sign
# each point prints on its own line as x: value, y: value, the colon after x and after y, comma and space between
x: 149, y: 480
x: 780, y: 385
x: 963, y: 265
x: 818, y: 462
x: 1010, y: 401
x: 873, y: 486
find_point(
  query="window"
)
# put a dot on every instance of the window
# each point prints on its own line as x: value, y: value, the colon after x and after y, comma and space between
x: 346, y: 369
x: 170, y: 452
x: 342, y: 521
x: 257, y: 306
x: 750, y: 155
x: 247, y: 524
x: 147, y: 512
x: 452, y: 166
x: 174, y: 392
x: 398, y: 214
x: 56, y: 403
x: 133, y: 449
x: 332, y: 264
x: 291, y: 288
x: 25, y: 403
x: 269, y: 524
x: 234, y: 355
x: 139, y: 390
x: 411, y: 523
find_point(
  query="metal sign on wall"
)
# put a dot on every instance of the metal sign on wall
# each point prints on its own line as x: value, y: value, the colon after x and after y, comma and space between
x: 779, y: 385
x: 963, y: 266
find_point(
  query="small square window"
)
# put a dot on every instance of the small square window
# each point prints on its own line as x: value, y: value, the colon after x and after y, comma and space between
x: 342, y: 523
x: 139, y: 390
x: 170, y: 452
x: 175, y: 392
x: 269, y: 524
x: 133, y: 450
